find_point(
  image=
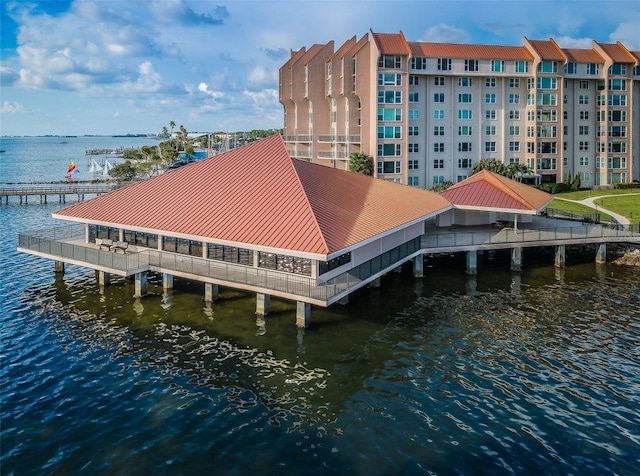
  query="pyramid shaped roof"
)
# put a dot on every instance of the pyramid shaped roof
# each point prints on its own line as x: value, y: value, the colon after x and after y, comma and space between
x: 258, y: 195
x: 487, y: 190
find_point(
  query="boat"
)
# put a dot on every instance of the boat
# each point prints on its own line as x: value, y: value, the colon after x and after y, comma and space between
x: 107, y: 167
x: 95, y: 167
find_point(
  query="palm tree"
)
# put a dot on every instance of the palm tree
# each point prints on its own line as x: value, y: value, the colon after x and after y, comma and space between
x: 164, y: 132
x: 361, y: 163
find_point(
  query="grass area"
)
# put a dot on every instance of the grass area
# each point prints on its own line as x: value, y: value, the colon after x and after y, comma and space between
x: 628, y: 206
x: 582, y: 194
x: 577, y: 208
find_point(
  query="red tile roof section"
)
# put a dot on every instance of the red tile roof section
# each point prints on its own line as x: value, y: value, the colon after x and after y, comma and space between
x: 391, y: 44
x: 575, y: 55
x: 258, y: 195
x: 617, y: 52
x: 452, y: 50
x: 489, y: 190
x: 547, y: 49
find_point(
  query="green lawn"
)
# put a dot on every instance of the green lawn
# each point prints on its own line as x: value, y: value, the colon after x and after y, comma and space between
x: 627, y: 205
x: 577, y: 208
x: 582, y: 194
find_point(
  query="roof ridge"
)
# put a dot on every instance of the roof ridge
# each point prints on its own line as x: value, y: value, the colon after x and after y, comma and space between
x: 506, y: 188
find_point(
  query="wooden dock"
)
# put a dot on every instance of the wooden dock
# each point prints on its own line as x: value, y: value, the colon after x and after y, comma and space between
x: 44, y: 192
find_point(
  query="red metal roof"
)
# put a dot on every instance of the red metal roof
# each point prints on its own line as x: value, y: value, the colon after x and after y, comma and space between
x: 582, y: 56
x: 452, y: 50
x: 547, y: 49
x: 257, y: 195
x: 617, y: 52
x: 486, y: 189
x: 391, y: 44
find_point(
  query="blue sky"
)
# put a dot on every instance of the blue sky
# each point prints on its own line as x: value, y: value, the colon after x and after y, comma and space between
x: 114, y: 67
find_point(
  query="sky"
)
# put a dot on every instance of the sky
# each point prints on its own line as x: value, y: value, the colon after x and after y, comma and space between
x: 104, y: 67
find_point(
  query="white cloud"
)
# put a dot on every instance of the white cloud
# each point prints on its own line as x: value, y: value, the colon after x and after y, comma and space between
x: 203, y: 87
x: 260, y: 76
x: 568, y: 42
x: 628, y: 32
x: 12, y: 108
x: 445, y: 34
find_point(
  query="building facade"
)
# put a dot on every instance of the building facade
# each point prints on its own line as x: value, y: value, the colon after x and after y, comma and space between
x: 428, y: 112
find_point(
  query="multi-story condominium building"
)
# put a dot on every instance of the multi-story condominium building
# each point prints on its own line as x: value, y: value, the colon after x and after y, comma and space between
x: 428, y: 112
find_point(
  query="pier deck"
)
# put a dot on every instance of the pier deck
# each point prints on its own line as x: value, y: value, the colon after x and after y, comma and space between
x: 23, y: 192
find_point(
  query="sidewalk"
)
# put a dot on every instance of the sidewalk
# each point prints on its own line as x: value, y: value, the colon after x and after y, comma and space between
x: 590, y: 202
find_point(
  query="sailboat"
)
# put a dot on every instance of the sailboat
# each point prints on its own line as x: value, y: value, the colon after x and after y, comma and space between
x: 107, y: 167
x: 95, y: 167
x: 72, y: 170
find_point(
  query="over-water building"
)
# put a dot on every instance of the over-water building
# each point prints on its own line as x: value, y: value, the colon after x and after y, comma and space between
x: 428, y: 112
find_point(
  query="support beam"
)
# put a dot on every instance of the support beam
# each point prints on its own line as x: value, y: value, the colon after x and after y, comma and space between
x: 167, y: 281
x: 59, y: 267
x: 104, y: 278
x: 344, y: 301
x: 375, y: 283
x: 601, y: 253
x: 561, y: 256
x: 263, y: 304
x: 472, y: 262
x: 516, y: 259
x: 303, y: 314
x: 211, y: 292
x: 418, y: 266
x: 140, y: 284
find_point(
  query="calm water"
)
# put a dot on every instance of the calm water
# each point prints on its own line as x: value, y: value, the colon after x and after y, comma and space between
x: 531, y: 373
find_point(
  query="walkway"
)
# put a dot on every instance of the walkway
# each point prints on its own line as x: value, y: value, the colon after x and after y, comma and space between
x: 590, y: 202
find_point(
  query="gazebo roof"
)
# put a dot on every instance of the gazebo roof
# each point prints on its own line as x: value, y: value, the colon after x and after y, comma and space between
x: 257, y: 195
x: 489, y: 191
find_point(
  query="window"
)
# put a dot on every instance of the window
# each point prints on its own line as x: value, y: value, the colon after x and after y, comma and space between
x: 490, y: 114
x: 438, y: 113
x: 419, y: 63
x: 490, y: 130
x: 584, y: 145
x: 514, y: 160
x: 617, y: 85
x: 599, y: 162
x: 438, y: 131
x: 389, y: 150
x: 547, y: 164
x: 514, y: 99
x: 464, y: 147
x: 584, y: 115
x: 497, y: 66
x: 593, y: 68
x: 531, y: 99
x: 531, y: 131
x: 444, y: 64
x: 464, y: 164
x: 389, y: 132
x: 414, y: 147
x: 547, y: 83
x: 547, y: 99
x: 471, y: 65
x: 521, y: 66
x: 531, y: 115
x: 617, y: 162
x: 389, y: 79
x: 490, y: 98
x: 438, y: 179
x: 583, y: 130
x: 464, y: 82
x: 438, y: 164
x: 571, y: 68
x: 490, y: 82
x: 617, y: 147
x: 389, y: 114
x: 617, y: 116
x: 460, y: 178
x: 489, y: 146
x: 465, y: 114
x: 617, y: 131
x: 547, y: 131
x: 414, y: 182
x: 414, y: 114
x: 413, y: 130
x: 583, y: 84
x: 547, y: 147
x: 514, y: 130
x: 438, y: 147
x: 514, y: 146
x: 466, y: 97
x: 583, y: 161
x: 583, y: 99
x: 530, y: 147
x: 464, y: 130
x: 438, y: 80
x: 390, y: 61
x: 389, y: 167
x: 438, y: 97
x: 514, y: 82
x: 413, y: 164
x: 390, y: 97
x: 514, y: 114
x: 617, y: 99
x: 548, y: 67
x: 414, y: 80
x: 414, y: 97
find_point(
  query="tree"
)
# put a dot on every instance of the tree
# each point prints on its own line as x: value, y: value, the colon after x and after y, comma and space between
x: 124, y: 171
x: 439, y: 187
x: 517, y: 170
x: 492, y: 165
x: 361, y: 163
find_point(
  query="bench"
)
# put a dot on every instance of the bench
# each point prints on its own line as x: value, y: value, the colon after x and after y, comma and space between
x: 120, y: 245
x: 104, y: 242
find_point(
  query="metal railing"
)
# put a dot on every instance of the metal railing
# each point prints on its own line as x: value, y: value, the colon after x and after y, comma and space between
x: 57, y: 189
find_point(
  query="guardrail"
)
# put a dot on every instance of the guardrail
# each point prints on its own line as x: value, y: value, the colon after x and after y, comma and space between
x: 57, y: 190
